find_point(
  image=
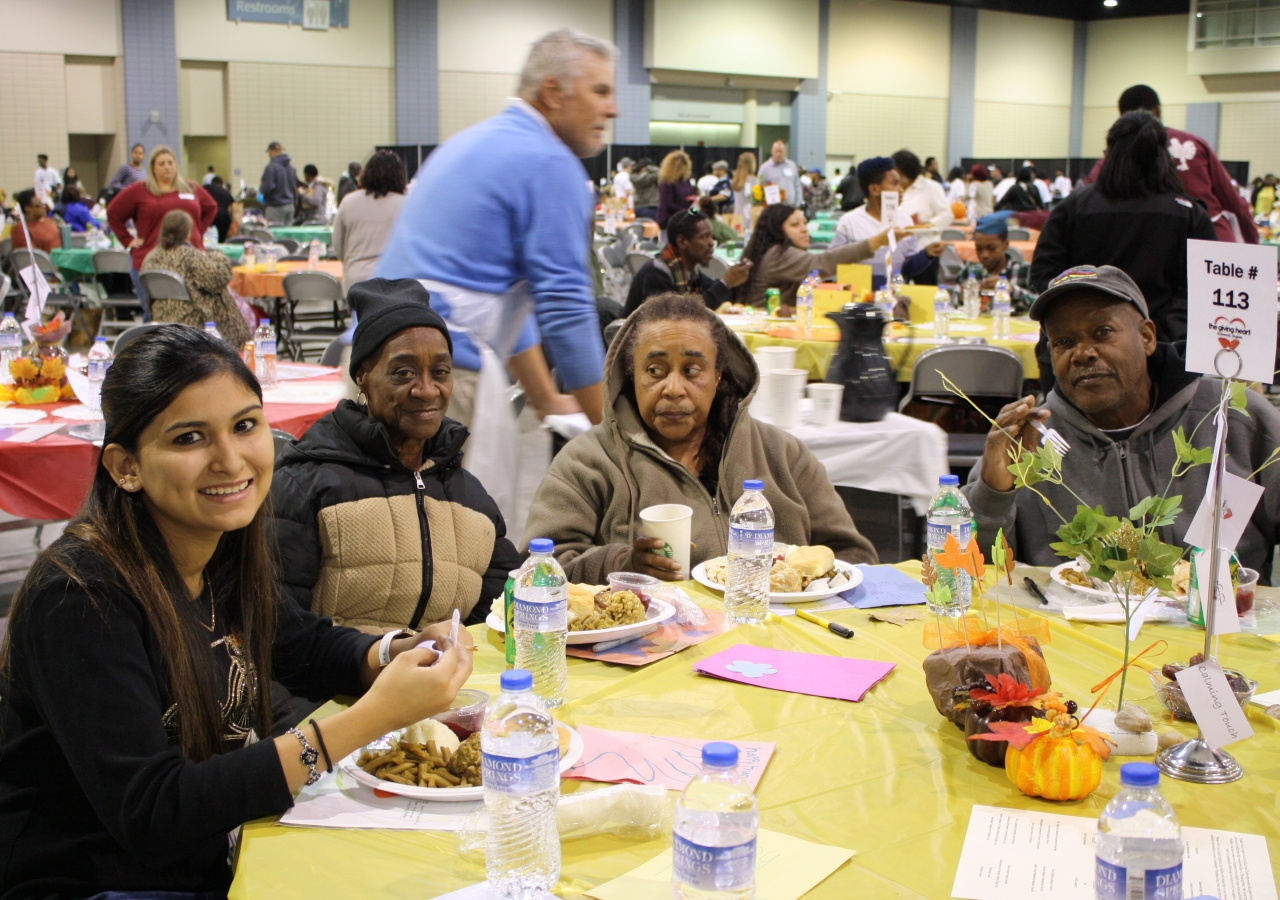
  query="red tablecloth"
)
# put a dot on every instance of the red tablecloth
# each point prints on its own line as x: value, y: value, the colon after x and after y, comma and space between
x: 48, y: 478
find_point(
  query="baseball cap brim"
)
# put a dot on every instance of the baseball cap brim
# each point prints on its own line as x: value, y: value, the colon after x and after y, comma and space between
x: 1104, y: 280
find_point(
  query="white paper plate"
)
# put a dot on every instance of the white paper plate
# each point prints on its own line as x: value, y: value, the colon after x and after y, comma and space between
x: 448, y: 795
x: 852, y: 572
x: 659, y: 611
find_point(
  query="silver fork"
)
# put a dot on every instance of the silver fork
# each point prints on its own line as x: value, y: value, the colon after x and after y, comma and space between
x: 1051, y: 435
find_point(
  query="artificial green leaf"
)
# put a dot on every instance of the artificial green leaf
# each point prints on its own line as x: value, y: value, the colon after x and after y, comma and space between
x: 1166, y: 511
x: 997, y: 551
x: 1141, y: 509
x: 1240, y: 397
x: 1187, y: 453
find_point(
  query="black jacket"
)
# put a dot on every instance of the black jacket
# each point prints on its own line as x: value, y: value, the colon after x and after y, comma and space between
x: 94, y: 792
x: 654, y: 277
x: 377, y: 546
x: 1147, y: 238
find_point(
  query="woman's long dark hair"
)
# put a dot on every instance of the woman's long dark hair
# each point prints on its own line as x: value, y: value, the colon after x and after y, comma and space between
x: 1138, y: 163
x: 114, y: 523
x: 768, y: 234
x: 730, y: 392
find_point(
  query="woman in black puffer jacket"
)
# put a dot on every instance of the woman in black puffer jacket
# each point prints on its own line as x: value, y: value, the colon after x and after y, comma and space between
x: 379, y: 526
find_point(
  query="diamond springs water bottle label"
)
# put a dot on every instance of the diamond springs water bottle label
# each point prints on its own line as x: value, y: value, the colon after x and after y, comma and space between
x: 1112, y: 882
x: 713, y: 868
x: 938, y: 531
x: 751, y: 541
x: 528, y: 775
x: 547, y: 615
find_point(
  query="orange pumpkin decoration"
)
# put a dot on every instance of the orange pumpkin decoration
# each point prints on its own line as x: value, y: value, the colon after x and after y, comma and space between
x: 1055, y: 768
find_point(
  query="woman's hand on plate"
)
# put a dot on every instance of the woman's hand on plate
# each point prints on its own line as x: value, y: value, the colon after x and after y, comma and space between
x: 418, y: 683
x: 647, y: 562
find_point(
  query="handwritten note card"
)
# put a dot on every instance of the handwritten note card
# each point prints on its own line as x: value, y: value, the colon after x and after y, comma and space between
x: 1215, y: 707
x: 798, y: 673
x: 623, y: 756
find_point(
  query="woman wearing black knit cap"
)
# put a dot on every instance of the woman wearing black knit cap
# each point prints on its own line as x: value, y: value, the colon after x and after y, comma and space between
x: 379, y: 525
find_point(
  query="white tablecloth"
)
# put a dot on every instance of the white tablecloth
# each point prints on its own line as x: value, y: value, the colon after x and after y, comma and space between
x: 898, y: 455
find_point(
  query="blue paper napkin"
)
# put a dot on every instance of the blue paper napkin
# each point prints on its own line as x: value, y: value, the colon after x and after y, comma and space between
x: 884, y: 586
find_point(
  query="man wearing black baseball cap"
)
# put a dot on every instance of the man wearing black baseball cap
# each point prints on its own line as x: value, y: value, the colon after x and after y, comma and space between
x: 1119, y: 396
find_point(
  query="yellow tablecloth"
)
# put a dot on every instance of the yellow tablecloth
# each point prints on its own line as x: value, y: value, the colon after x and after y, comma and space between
x: 887, y: 777
x: 905, y: 345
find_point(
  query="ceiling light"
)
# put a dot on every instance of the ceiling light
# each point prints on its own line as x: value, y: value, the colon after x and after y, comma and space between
x: 1110, y: 2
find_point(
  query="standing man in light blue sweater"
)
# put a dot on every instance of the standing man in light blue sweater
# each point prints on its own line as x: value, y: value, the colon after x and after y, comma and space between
x: 505, y: 256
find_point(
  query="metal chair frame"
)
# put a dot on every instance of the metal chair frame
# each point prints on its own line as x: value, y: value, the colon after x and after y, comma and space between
x: 313, y: 286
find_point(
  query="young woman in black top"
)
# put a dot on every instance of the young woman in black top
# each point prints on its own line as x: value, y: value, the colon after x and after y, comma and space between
x: 142, y: 644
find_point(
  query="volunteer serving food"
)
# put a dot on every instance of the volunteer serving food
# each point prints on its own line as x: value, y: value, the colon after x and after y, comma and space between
x: 142, y: 643
x: 677, y: 429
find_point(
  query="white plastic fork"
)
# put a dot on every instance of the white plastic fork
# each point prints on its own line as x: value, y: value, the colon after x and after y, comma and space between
x: 1051, y: 435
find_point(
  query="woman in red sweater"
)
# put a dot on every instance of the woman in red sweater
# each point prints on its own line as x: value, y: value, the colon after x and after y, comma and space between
x: 147, y: 202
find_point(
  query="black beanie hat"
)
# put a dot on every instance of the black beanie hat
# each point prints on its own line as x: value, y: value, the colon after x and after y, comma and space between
x: 385, y: 306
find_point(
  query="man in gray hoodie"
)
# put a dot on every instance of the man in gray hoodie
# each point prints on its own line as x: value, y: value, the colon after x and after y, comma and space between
x: 278, y: 186
x: 1118, y: 398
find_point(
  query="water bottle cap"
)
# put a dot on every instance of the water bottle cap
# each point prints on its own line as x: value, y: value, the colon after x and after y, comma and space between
x: 99, y: 340
x: 264, y: 321
x: 541, y: 545
x: 720, y: 754
x: 516, y: 680
x: 952, y: 480
x: 753, y: 484
x: 8, y: 315
x: 1139, y: 775
x: 210, y: 324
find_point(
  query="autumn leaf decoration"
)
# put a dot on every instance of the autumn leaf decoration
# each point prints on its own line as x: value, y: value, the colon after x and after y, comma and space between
x: 952, y: 557
x: 1007, y: 691
x: 928, y: 573
x: 1059, y: 724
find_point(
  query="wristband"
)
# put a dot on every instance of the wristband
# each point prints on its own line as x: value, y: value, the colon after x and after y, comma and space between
x: 384, y: 646
x: 328, y: 763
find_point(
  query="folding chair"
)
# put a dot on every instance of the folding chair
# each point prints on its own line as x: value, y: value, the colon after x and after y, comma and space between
x: 312, y: 288
x: 111, y: 270
x: 715, y: 269
x: 635, y: 261
x: 60, y: 295
x: 332, y: 355
x: 952, y: 234
x: 127, y: 337
x: 1019, y: 234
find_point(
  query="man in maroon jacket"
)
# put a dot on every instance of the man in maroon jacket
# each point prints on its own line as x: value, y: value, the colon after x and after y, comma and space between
x: 1203, y: 176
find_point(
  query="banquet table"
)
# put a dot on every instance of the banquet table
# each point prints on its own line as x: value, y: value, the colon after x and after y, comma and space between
x: 904, y: 344
x: 887, y: 777
x: 78, y: 261
x: 47, y: 478
x: 304, y: 234
x: 258, y: 282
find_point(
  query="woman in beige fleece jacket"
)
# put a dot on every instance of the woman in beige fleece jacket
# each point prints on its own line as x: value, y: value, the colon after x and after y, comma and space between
x: 677, y: 429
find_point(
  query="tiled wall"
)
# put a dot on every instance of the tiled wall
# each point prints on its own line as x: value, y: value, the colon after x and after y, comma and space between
x: 324, y: 115
x: 1020, y: 129
x: 1099, y: 119
x: 1251, y: 131
x: 470, y: 97
x: 33, y: 116
x: 863, y: 126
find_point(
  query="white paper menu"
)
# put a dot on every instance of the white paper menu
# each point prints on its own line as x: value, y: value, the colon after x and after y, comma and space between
x: 1012, y: 854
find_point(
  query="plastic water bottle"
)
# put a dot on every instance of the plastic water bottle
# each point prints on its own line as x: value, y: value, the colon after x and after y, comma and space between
x: 210, y: 238
x: 264, y: 354
x: 885, y: 302
x: 942, y: 313
x: 1139, y: 843
x: 10, y: 345
x: 971, y: 296
x: 949, y: 514
x: 804, y: 305
x: 99, y: 359
x: 250, y: 255
x: 542, y: 622
x: 746, y: 596
x: 211, y: 329
x: 1001, y: 310
x: 714, y: 836
x: 520, y: 761
x: 314, y: 254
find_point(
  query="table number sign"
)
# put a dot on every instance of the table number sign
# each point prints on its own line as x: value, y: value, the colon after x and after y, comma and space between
x: 1231, y: 310
x: 772, y: 194
x: 888, y: 207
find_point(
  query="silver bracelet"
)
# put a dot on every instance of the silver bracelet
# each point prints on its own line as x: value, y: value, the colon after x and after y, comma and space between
x: 310, y: 755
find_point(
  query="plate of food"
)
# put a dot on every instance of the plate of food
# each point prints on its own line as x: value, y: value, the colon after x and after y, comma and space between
x: 798, y: 575
x: 598, y: 614
x: 1074, y: 576
x: 425, y: 761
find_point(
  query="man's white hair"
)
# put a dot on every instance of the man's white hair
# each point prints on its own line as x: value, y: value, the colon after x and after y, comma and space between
x: 559, y: 55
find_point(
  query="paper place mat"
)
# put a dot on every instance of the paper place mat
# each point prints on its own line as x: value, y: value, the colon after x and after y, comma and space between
x: 624, y: 756
x: 29, y: 434
x: 481, y: 892
x: 668, y: 638
x: 338, y: 801
x: 787, y: 868
x: 885, y: 586
x: 1268, y: 699
x: 789, y: 609
x: 1006, y: 851
x: 294, y: 371
x: 1113, y: 613
x: 798, y: 673
x: 329, y: 392
x: 79, y: 412
x: 16, y: 415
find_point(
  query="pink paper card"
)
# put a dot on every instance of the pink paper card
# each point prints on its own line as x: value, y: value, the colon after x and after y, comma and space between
x: 671, y: 637
x: 798, y: 673
x: 623, y: 756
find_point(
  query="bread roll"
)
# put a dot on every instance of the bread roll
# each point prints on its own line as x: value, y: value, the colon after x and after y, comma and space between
x: 582, y: 601
x: 812, y: 562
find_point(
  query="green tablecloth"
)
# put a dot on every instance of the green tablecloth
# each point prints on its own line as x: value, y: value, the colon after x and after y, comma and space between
x: 304, y: 234
x: 79, y: 260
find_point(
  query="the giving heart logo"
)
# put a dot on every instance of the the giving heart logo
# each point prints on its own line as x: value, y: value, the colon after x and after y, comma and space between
x: 1230, y: 331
